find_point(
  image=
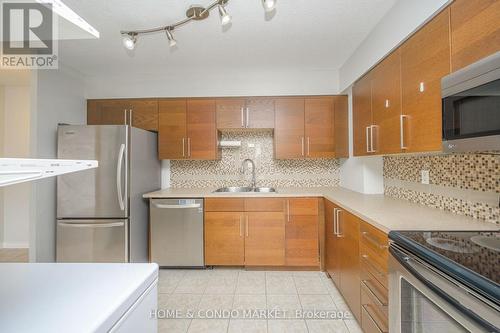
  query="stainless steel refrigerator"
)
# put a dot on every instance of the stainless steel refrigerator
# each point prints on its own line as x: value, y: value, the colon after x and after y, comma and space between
x: 101, y: 215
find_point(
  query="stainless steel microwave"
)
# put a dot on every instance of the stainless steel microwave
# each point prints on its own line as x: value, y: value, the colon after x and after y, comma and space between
x: 471, y: 107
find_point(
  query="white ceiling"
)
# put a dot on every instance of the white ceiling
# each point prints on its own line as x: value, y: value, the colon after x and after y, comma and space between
x: 304, y: 34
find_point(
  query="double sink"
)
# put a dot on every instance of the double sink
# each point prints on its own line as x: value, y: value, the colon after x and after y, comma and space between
x: 245, y: 190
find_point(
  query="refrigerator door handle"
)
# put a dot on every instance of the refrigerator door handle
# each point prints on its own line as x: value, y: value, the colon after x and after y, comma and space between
x: 92, y: 225
x: 119, y: 177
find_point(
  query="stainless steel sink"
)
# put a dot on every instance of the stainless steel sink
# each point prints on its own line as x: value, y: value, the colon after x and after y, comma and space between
x: 235, y: 189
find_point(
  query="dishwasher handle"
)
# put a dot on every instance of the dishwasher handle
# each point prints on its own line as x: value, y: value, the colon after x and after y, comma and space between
x: 187, y: 206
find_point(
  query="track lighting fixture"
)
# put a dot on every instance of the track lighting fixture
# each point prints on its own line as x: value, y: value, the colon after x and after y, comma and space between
x: 225, y: 18
x: 171, y: 40
x: 269, y: 5
x: 193, y: 13
x: 129, y: 41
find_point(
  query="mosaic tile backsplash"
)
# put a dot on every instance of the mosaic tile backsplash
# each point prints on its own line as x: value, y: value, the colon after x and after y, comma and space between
x: 466, y: 184
x: 259, y: 147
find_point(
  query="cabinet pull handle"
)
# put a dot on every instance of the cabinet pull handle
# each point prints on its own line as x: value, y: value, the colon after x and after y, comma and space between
x: 338, y: 223
x: 241, y: 227
x: 302, y: 146
x: 124, y: 116
x: 387, y: 104
x: 364, y: 283
x: 189, y: 147
x: 130, y: 117
x: 242, y: 117
x: 367, y: 262
x: 402, y: 131
x: 248, y: 117
x: 372, y: 144
x: 335, y: 221
x: 372, y: 240
x: 308, y: 146
x: 246, y: 225
x: 288, y: 210
x: 421, y: 87
x: 368, y: 139
x: 183, y: 147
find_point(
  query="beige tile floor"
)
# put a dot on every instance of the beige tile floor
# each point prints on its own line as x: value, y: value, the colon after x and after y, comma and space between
x: 196, y: 294
x: 13, y: 255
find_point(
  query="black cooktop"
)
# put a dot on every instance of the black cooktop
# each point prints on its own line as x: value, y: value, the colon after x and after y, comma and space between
x: 472, y: 257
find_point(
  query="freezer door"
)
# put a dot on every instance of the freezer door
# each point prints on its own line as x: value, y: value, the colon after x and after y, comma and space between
x: 100, y: 192
x: 96, y: 241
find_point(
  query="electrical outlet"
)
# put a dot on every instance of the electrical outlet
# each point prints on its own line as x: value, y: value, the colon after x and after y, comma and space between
x: 425, y: 177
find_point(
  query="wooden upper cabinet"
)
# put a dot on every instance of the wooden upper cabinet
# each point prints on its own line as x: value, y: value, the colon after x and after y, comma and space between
x: 145, y: 114
x: 260, y: 112
x: 265, y: 239
x: 341, y: 126
x: 142, y: 112
x: 386, y: 105
x: 289, y: 140
x: 425, y: 59
x: 172, y: 129
x: 362, y: 116
x: 475, y: 31
x: 319, y: 127
x: 302, y: 234
x: 230, y: 113
x: 224, y: 238
x: 201, y: 130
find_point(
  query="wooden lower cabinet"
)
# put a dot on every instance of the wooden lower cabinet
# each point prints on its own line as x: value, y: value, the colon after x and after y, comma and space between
x: 285, y: 232
x: 302, y: 233
x: 224, y: 238
x: 265, y: 239
x: 332, y: 244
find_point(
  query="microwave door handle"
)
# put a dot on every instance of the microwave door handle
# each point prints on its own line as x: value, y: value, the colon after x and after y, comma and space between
x: 415, y: 267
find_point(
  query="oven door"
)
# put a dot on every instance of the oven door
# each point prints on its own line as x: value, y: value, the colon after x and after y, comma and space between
x: 422, y: 299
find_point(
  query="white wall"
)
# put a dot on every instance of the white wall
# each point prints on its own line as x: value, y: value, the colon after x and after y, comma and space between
x: 16, y: 143
x: 405, y: 17
x: 251, y: 82
x: 2, y: 124
x: 59, y: 99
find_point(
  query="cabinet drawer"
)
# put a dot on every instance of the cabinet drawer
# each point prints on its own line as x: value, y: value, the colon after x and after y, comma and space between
x: 264, y: 205
x: 375, y: 240
x: 225, y: 205
x: 302, y: 206
x: 369, y: 323
x: 374, y: 264
x: 374, y: 307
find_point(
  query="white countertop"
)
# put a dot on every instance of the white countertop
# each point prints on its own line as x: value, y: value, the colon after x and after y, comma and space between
x: 381, y: 211
x: 69, y: 297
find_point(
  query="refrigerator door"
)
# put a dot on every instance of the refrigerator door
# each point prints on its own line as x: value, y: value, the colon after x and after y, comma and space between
x: 145, y: 173
x: 96, y: 241
x: 100, y: 192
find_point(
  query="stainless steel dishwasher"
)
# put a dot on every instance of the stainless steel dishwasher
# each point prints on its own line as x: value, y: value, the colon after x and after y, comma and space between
x: 177, y: 232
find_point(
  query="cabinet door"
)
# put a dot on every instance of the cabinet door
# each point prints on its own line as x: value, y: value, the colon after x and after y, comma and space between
x: 475, y: 31
x: 230, y: 113
x: 289, y: 141
x: 349, y: 262
x: 425, y: 59
x: 265, y: 239
x: 108, y: 112
x: 302, y: 234
x: 332, y: 255
x: 319, y: 118
x: 224, y: 239
x: 144, y: 114
x: 260, y: 113
x: 341, y: 126
x: 362, y: 116
x: 386, y: 104
x: 201, y: 130
x: 172, y: 129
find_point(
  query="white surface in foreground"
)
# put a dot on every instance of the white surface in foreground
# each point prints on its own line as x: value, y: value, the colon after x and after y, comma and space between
x: 69, y: 297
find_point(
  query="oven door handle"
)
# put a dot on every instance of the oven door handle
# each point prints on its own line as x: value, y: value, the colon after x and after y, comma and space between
x: 414, y: 267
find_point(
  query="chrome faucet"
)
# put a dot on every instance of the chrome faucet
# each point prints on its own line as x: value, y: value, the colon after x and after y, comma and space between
x: 242, y: 170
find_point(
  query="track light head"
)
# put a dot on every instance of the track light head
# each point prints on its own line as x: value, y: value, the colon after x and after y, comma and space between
x: 129, y: 41
x: 171, y: 40
x: 225, y: 18
x: 269, y: 5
